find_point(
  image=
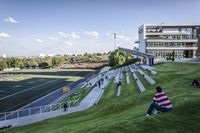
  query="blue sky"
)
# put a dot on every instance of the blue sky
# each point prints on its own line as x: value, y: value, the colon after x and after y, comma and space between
x: 31, y: 27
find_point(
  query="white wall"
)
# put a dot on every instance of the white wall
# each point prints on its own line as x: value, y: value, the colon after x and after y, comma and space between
x: 142, y: 41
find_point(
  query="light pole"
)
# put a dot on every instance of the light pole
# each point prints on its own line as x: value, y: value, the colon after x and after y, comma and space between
x: 115, y: 36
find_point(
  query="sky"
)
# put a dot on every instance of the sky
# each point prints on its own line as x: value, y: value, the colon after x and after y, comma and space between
x: 32, y: 27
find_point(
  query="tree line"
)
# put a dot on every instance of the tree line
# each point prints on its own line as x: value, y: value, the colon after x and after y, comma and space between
x: 51, y: 61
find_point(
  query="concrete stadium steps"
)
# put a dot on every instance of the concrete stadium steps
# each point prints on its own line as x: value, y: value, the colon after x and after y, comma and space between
x: 138, y: 82
x: 119, y: 90
x: 145, y: 76
x: 125, y: 74
x: 118, y: 78
x: 149, y: 68
x: 127, y: 77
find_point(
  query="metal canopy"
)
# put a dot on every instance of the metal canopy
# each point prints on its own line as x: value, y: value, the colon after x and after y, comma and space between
x: 134, y: 52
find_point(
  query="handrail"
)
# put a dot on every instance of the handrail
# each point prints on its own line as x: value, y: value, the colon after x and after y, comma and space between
x: 34, y: 110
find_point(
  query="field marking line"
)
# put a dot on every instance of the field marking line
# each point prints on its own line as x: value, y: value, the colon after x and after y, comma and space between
x: 28, y: 89
x: 24, y: 107
x: 75, y: 73
x: 54, y: 92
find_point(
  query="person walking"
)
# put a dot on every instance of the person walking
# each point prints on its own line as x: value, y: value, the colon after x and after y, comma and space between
x: 160, y: 102
x: 65, y: 107
x: 99, y: 83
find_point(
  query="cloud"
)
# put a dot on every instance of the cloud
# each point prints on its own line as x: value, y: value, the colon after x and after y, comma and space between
x: 122, y: 31
x: 11, y: 20
x: 124, y: 38
x: 108, y: 34
x: 91, y: 33
x: 39, y: 40
x: 4, y: 35
x: 53, y: 38
x: 63, y: 34
x: 118, y: 37
x: 75, y: 35
x: 136, y: 37
x: 68, y: 43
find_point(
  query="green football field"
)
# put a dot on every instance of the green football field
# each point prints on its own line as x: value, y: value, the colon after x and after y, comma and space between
x: 19, y: 88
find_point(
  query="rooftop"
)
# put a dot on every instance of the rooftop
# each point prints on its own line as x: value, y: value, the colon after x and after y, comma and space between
x: 174, y: 25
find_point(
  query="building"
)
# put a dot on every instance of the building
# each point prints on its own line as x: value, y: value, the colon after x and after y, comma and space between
x: 168, y: 41
x: 4, y: 56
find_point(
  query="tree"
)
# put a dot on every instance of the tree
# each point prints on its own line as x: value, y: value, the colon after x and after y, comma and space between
x: 3, y: 64
x: 33, y: 63
x: 14, y: 62
x: 43, y: 64
x: 118, y: 58
x: 57, y: 61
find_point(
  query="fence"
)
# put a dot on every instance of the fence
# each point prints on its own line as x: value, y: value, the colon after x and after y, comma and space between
x: 36, y: 110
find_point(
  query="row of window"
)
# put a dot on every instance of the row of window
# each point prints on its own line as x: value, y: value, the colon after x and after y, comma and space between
x: 172, y: 37
x: 155, y: 44
x: 185, y: 30
x: 179, y: 54
x: 166, y: 30
x: 167, y: 54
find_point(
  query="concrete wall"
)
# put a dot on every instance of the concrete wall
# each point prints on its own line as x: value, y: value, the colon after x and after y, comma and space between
x: 198, y: 44
x: 142, y: 41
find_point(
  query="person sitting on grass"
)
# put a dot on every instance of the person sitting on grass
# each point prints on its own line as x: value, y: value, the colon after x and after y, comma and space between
x: 160, y: 102
x: 196, y: 83
x: 119, y: 83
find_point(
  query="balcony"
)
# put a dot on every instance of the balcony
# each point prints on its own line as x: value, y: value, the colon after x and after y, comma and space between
x: 172, y: 40
x: 171, y: 48
x: 166, y: 33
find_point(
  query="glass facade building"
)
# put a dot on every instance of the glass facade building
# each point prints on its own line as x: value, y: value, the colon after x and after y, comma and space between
x: 167, y: 41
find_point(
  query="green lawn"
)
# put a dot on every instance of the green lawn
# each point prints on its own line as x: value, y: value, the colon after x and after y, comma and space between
x: 125, y: 114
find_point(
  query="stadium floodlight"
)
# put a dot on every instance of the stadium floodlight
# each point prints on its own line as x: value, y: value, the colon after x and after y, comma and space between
x: 115, y: 37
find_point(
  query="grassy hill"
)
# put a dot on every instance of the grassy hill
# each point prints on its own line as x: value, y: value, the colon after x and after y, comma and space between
x: 126, y: 113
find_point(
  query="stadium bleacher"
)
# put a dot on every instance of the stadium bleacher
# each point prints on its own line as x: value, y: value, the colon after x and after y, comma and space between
x: 89, y: 93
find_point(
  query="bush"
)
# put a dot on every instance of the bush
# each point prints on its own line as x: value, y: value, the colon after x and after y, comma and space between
x: 118, y: 59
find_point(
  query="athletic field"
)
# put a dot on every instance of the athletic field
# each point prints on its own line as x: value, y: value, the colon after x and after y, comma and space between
x: 18, y: 88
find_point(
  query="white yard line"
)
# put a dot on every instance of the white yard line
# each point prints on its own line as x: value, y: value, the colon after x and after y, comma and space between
x: 28, y: 89
x: 75, y: 73
x: 52, y: 93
